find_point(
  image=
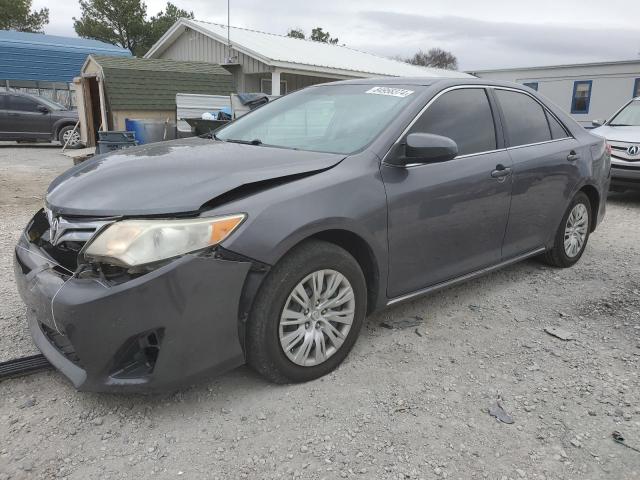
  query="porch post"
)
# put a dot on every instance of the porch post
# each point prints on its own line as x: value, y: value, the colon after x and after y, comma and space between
x: 103, y: 105
x: 275, y: 82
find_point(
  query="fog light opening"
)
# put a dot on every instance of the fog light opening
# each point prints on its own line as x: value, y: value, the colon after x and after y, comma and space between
x: 138, y: 355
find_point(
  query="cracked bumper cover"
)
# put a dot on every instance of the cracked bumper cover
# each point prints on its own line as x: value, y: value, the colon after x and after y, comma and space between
x: 193, y: 300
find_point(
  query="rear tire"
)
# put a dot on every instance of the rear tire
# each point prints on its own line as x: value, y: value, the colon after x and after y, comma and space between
x: 314, y: 326
x: 572, y: 235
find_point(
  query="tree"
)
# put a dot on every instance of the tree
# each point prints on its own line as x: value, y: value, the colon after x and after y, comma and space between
x: 296, y: 33
x: 124, y: 23
x: 318, y: 35
x: 17, y: 15
x: 435, y: 57
x: 158, y: 25
x: 121, y: 22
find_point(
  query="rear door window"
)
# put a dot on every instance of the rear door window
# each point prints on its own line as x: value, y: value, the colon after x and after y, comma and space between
x: 463, y: 115
x: 525, y: 119
x: 21, y: 104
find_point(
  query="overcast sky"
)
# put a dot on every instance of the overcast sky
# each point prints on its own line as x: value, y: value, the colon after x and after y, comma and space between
x: 481, y: 33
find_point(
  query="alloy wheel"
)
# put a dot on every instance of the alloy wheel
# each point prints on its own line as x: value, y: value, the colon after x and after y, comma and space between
x: 575, y: 232
x: 72, y: 137
x: 317, y: 317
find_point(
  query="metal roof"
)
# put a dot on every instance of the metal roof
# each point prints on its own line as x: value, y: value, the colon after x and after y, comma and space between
x: 34, y: 56
x: 553, y: 67
x: 152, y: 84
x: 294, y: 53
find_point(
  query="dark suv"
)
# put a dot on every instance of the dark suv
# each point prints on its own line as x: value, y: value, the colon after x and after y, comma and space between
x: 25, y: 117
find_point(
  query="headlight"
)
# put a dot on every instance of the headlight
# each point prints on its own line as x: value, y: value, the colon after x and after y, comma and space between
x: 137, y: 242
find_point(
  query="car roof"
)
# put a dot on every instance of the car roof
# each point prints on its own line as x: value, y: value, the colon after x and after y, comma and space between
x: 21, y: 94
x: 428, y: 82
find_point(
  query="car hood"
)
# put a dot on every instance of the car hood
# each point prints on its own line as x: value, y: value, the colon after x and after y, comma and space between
x: 174, y: 177
x: 619, y: 134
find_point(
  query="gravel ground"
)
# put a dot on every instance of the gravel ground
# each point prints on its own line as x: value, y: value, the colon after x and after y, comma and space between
x: 407, y: 403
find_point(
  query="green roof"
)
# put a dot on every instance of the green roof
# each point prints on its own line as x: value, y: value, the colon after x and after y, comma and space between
x: 152, y: 84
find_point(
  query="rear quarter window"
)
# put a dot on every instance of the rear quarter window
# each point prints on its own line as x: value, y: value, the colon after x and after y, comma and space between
x: 557, y: 129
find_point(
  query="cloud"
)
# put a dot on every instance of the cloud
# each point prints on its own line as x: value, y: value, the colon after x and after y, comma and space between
x: 489, y: 44
x: 489, y: 34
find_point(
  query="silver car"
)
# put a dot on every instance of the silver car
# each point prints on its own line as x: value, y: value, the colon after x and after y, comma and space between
x: 622, y: 132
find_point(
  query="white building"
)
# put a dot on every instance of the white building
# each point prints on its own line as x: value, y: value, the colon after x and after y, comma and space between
x: 590, y: 91
x: 277, y: 64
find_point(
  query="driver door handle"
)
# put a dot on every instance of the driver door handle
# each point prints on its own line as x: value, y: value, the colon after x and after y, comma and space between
x: 501, y: 172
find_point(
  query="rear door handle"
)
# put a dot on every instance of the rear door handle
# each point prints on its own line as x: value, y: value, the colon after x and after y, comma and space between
x: 573, y: 156
x: 501, y: 171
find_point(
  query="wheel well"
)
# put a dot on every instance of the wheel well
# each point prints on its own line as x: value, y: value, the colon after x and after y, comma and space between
x: 60, y: 127
x: 594, y: 198
x: 361, y: 251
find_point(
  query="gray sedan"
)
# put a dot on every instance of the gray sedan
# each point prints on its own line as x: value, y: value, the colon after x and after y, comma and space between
x: 270, y: 242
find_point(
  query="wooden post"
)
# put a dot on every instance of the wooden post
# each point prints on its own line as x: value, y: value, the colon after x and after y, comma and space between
x: 88, y: 111
x: 103, y: 106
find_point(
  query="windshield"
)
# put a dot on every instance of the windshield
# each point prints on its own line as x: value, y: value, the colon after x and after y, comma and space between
x: 331, y: 118
x: 628, y: 116
x: 51, y: 104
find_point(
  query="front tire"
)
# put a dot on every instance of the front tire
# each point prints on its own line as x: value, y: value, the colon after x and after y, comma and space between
x: 307, y: 314
x: 572, y: 235
x: 69, y: 133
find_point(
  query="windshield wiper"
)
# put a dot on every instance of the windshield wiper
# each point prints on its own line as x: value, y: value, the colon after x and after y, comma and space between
x: 620, y: 125
x: 255, y: 141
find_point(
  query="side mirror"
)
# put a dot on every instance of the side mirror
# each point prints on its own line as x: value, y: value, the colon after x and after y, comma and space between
x: 428, y: 148
x: 43, y: 109
x: 597, y: 123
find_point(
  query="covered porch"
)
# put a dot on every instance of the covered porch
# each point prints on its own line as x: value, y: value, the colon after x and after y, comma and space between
x: 280, y: 82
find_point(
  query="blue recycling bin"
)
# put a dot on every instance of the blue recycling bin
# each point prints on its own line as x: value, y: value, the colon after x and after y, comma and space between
x: 137, y: 127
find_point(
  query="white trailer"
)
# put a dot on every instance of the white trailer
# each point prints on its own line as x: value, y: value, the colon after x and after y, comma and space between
x: 592, y: 91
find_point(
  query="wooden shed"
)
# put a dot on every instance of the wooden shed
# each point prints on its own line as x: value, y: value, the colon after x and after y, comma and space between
x: 112, y: 89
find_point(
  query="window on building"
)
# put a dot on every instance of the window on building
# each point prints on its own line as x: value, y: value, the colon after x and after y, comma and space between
x: 531, y: 85
x: 525, y: 119
x: 265, y: 86
x: 464, y: 116
x: 636, y: 88
x: 581, y: 96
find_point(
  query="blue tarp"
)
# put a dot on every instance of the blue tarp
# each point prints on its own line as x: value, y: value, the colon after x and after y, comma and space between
x: 34, y: 56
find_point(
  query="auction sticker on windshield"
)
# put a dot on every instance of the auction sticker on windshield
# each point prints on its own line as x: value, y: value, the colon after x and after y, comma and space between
x: 393, y: 92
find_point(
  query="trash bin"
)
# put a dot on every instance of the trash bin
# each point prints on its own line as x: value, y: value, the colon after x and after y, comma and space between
x: 110, y: 141
x: 150, y: 131
x: 200, y: 126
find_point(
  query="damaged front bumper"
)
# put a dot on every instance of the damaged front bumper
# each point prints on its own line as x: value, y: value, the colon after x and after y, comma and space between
x: 159, y: 330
